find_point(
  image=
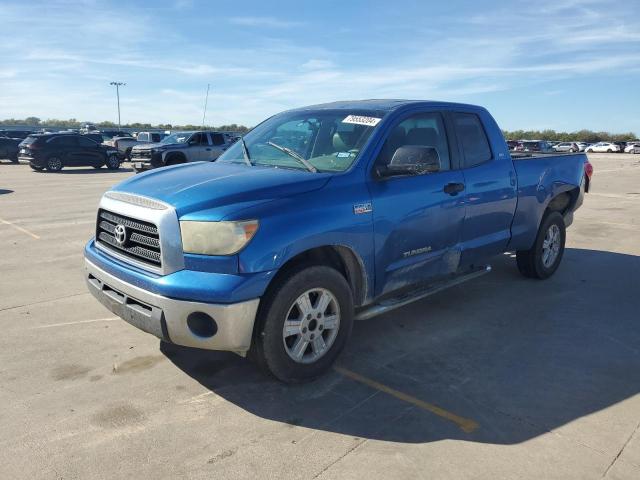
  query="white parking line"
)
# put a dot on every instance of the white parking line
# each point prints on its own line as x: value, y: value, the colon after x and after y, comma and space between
x: 109, y: 319
x: 20, y: 229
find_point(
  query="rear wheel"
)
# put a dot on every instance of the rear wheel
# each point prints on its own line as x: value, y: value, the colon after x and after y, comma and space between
x: 304, y: 323
x: 544, y: 257
x: 609, y: 151
x: 54, y: 164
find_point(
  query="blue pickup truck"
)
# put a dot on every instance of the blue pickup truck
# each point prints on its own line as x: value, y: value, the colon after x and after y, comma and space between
x: 321, y: 216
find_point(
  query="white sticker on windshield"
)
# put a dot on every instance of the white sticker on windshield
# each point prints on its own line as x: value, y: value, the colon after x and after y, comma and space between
x: 362, y: 120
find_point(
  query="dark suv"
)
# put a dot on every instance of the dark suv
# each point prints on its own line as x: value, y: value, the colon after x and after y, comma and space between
x: 54, y: 151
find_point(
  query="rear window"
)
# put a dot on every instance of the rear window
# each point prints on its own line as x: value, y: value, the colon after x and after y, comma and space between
x: 217, y: 139
x: 472, y: 138
x: 63, y: 141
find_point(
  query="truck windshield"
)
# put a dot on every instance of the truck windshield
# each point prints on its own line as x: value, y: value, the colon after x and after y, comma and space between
x: 327, y: 140
x: 179, y: 137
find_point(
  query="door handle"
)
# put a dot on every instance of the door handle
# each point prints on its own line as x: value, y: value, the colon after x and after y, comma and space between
x: 453, y: 188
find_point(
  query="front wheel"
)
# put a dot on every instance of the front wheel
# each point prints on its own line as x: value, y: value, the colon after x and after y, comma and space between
x: 113, y: 162
x: 609, y: 151
x: 589, y: 151
x: 543, y: 258
x: 304, y: 323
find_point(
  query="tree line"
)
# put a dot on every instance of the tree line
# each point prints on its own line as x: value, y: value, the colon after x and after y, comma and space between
x: 35, y: 122
x: 588, y: 136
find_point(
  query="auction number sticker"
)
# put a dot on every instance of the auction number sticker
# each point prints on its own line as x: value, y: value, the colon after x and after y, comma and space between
x: 362, y: 120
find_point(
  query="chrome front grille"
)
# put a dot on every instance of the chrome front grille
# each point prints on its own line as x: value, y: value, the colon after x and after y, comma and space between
x: 133, y: 238
x: 142, y: 154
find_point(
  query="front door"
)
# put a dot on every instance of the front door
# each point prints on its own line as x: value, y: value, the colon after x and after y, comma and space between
x: 417, y: 218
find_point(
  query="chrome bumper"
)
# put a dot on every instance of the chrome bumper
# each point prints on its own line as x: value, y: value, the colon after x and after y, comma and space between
x: 166, y: 318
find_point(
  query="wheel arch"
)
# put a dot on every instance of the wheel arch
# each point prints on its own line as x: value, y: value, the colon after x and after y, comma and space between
x: 340, y: 257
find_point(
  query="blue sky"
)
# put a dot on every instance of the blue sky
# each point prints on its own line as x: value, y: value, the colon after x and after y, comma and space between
x: 562, y: 64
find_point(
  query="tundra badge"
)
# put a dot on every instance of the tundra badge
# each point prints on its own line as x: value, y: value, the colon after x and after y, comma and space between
x: 360, y: 208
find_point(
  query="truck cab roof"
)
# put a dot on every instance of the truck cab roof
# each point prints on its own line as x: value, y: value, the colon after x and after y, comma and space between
x: 386, y: 105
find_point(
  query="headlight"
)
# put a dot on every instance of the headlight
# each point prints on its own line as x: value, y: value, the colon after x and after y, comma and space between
x: 216, y: 238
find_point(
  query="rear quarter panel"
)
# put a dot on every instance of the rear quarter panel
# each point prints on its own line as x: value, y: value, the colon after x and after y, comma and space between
x: 540, y: 179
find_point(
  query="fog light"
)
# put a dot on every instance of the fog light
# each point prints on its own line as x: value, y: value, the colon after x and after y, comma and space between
x: 202, y: 325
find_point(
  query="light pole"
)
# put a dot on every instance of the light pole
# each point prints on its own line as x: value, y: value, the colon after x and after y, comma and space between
x: 118, y: 85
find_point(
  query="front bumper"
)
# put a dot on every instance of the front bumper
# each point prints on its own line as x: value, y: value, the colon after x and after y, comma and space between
x: 166, y: 318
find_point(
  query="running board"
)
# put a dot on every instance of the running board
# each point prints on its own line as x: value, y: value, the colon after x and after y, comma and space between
x: 392, y: 303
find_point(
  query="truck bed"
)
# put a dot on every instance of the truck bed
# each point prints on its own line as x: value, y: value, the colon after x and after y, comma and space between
x: 541, y: 177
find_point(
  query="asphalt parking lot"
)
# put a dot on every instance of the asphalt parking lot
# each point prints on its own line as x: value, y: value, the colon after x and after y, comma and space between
x: 502, y: 377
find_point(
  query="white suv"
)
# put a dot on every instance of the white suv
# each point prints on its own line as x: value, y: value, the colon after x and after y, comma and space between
x: 603, y: 147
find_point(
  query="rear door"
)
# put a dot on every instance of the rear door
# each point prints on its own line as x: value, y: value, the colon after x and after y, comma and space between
x: 490, y: 187
x: 64, y: 148
x: 199, y: 147
x: 417, y: 218
x: 219, y: 145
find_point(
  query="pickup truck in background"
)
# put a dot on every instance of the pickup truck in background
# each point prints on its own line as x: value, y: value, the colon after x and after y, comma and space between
x: 324, y: 215
x: 124, y: 144
x: 181, y: 147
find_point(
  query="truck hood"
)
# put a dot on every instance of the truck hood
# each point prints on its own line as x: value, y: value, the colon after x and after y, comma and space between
x: 148, y: 146
x: 225, y: 187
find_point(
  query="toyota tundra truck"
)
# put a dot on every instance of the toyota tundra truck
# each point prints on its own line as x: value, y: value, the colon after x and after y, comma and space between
x: 323, y: 215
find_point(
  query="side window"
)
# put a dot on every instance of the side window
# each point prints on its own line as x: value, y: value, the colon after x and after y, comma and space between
x: 66, y: 141
x: 155, y: 137
x: 218, y: 139
x: 86, y: 142
x: 204, y: 139
x: 472, y: 138
x: 424, y: 129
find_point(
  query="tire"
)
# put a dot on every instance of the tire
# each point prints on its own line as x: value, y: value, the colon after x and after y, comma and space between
x: 127, y: 154
x: 589, y: 151
x: 535, y: 262
x: 609, y: 151
x: 113, y: 162
x: 97, y: 167
x: 36, y: 168
x: 284, y: 353
x: 175, y: 160
x: 54, y: 164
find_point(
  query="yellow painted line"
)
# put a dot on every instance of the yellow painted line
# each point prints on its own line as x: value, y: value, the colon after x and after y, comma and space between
x: 467, y: 425
x: 19, y: 228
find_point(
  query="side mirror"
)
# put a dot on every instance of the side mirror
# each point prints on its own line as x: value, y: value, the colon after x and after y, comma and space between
x: 412, y: 160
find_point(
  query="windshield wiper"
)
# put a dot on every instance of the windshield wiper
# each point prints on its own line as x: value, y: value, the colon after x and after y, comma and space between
x: 294, y: 154
x: 245, y: 153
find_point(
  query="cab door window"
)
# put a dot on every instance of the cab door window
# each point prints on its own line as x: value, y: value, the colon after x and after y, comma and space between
x: 422, y: 129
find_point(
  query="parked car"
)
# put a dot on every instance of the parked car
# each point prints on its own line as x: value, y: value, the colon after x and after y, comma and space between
x: 21, y: 134
x: 181, y: 147
x: 632, y: 148
x: 582, y: 146
x: 126, y: 143
x: 621, y: 145
x: 567, y: 147
x: 322, y: 215
x: 9, y: 148
x: 539, y: 146
x: 56, y: 151
x: 602, y: 147
x: 512, y: 144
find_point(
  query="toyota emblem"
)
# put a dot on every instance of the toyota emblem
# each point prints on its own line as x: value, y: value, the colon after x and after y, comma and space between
x: 120, y: 234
